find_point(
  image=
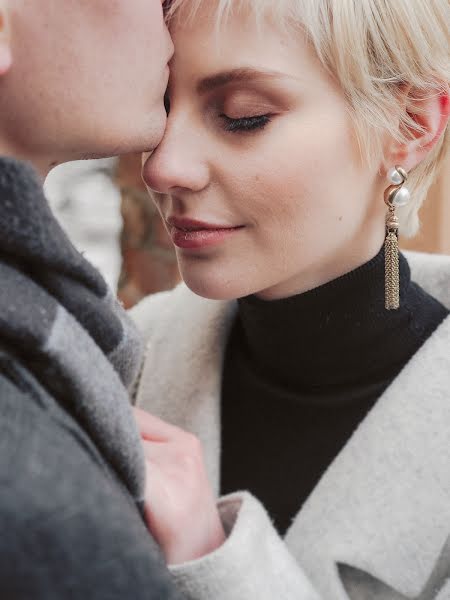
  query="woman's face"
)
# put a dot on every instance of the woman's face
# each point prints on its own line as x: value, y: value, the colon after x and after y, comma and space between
x: 259, y: 149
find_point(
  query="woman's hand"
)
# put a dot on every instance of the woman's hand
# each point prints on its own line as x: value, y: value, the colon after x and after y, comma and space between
x: 180, y: 507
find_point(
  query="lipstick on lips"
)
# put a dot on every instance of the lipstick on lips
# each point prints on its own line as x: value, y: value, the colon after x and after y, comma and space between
x: 192, y: 234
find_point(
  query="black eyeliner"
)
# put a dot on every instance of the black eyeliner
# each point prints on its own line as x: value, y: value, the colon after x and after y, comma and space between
x: 245, y: 123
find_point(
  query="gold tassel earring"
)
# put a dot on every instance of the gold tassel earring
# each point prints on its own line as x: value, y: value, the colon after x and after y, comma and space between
x: 395, y: 195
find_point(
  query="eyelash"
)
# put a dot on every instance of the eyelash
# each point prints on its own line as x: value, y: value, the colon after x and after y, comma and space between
x: 167, y: 103
x: 244, y: 124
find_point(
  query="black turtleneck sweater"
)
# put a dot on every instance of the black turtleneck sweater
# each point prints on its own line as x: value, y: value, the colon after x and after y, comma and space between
x: 301, y: 373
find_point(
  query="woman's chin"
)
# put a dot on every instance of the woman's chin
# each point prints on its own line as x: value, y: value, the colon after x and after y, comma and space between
x: 215, y: 289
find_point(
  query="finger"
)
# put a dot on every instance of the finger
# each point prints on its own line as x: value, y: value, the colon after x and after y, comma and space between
x: 154, y: 429
x: 155, y: 451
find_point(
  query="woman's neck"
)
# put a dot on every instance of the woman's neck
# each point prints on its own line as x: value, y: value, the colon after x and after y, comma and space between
x: 322, y: 271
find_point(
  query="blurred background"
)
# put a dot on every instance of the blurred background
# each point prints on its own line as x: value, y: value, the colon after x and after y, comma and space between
x: 106, y: 211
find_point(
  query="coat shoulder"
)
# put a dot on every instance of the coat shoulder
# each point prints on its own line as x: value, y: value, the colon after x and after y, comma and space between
x: 432, y: 273
x: 176, y: 308
x: 157, y: 308
x: 68, y: 524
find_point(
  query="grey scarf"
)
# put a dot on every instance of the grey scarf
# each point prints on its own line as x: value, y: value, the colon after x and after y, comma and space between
x: 61, y: 322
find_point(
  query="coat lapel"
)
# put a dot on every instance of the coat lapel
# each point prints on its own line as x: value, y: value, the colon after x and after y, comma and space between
x: 393, y: 470
x: 383, y: 504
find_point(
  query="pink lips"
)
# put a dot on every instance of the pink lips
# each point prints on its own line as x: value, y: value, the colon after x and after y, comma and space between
x: 192, y: 234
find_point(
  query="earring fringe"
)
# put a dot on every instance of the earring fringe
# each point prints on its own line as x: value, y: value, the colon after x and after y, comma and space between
x: 395, y: 195
x: 392, y: 276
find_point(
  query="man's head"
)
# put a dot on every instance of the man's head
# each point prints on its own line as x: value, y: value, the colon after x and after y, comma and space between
x: 81, y: 78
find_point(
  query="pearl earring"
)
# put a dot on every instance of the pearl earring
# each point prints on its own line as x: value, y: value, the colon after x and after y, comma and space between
x: 395, y: 195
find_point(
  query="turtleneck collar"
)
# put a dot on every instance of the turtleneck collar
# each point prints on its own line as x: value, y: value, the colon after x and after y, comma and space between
x: 338, y: 334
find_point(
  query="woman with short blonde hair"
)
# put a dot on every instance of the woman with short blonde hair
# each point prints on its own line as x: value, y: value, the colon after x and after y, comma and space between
x: 304, y: 363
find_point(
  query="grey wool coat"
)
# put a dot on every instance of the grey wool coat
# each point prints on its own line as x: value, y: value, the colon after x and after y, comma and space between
x: 377, y: 525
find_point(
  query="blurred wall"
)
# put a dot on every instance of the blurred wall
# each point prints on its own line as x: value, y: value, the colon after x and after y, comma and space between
x: 149, y: 262
x: 86, y: 201
x: 434, y: 235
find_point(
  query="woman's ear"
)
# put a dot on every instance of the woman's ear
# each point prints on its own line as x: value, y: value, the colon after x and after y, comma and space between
x: 5, y: 43
x: 430, y: 112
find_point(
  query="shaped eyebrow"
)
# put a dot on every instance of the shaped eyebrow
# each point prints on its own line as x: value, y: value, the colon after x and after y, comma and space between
x: 242, y: 75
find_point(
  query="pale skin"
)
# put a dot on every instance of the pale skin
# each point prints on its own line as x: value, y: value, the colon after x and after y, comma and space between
x: 310, y: 209
x: 81, y: 79
x: 181, y: 508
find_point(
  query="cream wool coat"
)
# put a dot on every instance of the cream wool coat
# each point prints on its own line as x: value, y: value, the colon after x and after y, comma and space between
x: 377, y: 525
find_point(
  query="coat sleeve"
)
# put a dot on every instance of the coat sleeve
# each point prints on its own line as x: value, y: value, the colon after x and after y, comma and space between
x: 254, y: 562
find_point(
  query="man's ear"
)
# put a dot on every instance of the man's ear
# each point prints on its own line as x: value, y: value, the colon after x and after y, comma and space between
x: 430, y: 112
x: 5, y: 45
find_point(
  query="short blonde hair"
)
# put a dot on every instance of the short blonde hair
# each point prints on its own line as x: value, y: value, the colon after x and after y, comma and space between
x: 374, y: 49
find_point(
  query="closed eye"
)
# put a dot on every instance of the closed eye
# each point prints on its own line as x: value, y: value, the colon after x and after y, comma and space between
x: 243, y: 124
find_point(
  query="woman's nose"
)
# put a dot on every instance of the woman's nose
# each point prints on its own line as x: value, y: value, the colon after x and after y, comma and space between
x: 178, y: 163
